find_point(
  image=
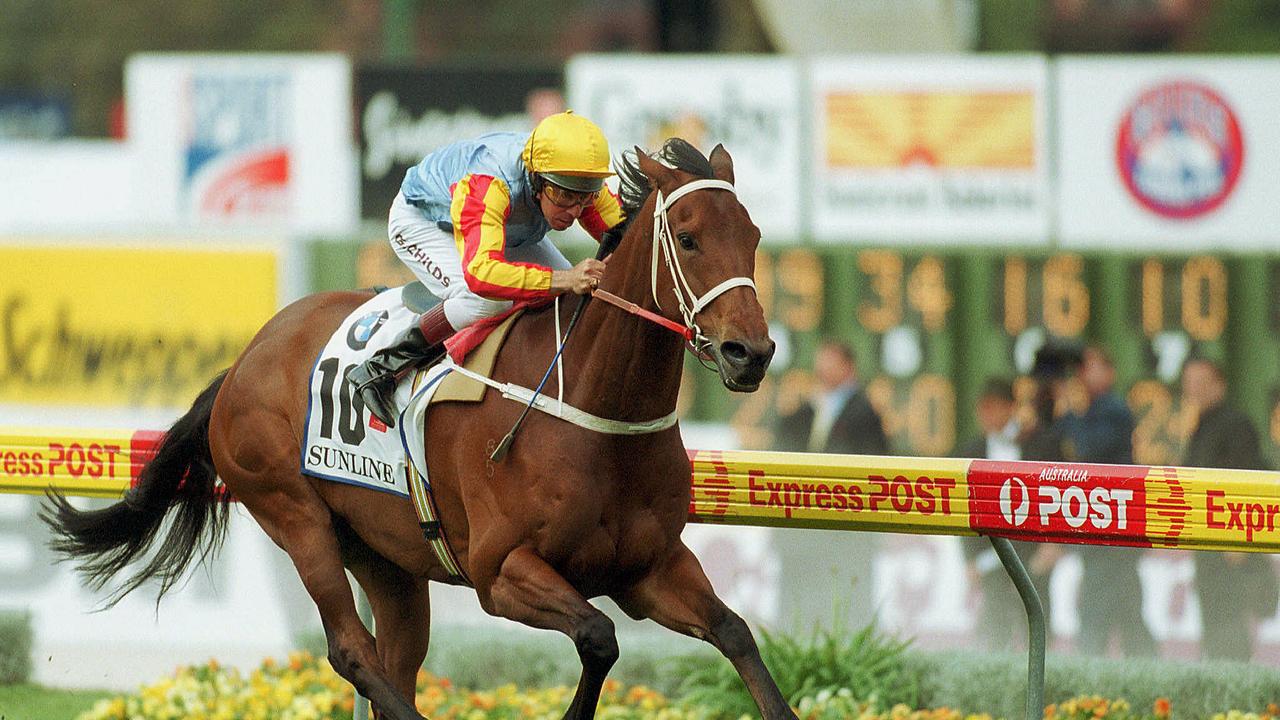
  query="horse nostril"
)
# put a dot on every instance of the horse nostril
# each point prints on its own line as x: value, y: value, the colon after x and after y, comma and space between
x: 735, y: 352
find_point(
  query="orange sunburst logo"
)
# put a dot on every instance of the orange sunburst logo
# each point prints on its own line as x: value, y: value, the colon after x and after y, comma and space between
x: 710, y: 497
x: 1167, y: 505
x: 953, y: 130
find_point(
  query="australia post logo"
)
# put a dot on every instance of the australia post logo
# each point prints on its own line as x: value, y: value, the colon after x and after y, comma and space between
x: 1179, y: 150
x: 237, y: 151
x: 1015, y: 501
x: 1058, y: 501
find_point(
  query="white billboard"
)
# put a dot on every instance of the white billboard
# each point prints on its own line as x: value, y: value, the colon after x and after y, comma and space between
x: 943, y: 149
x: 230, y: 141
x: 752, y: 105
x: 1175, y: 154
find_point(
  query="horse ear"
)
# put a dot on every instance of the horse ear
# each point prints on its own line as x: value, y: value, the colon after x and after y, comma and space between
x: 722, y: 164
x: 660, y: 176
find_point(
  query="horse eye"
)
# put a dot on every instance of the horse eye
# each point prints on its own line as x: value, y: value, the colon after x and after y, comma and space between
x: 686, y: 241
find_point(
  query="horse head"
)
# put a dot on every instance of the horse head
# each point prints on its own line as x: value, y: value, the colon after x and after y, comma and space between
x: 704, y: 248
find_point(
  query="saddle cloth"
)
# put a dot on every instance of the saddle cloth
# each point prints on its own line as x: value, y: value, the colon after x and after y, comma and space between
x: 343, y: 441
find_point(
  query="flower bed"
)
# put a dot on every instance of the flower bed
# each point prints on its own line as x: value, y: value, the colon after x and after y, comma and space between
x: 307, y: 688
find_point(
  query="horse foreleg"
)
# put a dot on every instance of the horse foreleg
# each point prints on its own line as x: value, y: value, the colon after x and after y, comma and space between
x: 303, y: 529
x: 529, y: 591
x: 677, y: 595
x: 401, y: 606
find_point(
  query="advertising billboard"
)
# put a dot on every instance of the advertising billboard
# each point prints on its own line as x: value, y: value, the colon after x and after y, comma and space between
x: 405, y: 113
x: 942, y: 149
x: 231, y: 141
x: 751, y: 105
x: 114, y: 326
x: 1168, y: 153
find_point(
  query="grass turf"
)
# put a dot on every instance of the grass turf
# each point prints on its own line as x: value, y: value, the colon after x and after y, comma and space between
x: 32, y: 702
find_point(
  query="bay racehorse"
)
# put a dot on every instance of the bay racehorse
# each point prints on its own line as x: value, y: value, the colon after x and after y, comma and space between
x: 569, y: 514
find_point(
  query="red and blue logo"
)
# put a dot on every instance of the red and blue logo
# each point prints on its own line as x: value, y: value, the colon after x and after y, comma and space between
x: 1179, y: 150
x: 237, y: 151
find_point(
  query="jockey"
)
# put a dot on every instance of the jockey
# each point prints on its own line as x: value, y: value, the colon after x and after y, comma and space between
x: 471, y: 221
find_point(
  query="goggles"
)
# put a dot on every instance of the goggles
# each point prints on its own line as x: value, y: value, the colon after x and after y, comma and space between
x: 567, y: 199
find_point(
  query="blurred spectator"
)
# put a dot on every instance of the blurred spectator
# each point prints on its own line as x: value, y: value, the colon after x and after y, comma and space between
x: 1002, y: 622
x: 1123, y: 25
x: 1110, y: 589
x: 1236, y: 589
x: 1000, y: 429
x: 1042, y: 439
x: 839, y: 418
x: 825, y: 577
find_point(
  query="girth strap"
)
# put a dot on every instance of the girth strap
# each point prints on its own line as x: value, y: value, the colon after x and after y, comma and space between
x: 428, y: 518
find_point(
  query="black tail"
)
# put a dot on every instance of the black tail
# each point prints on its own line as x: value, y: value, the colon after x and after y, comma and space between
x: 180, y: 478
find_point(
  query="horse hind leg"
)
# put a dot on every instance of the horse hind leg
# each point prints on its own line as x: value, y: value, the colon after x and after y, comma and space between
x: 677, y: 595
x: 401, y: 611
x: 529, y: 591
x: 296, y: 518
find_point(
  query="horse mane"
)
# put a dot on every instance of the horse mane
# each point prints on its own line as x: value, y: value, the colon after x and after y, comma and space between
x: 633, y: 184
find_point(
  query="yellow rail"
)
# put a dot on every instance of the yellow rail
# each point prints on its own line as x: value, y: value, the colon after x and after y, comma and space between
x: 1165, y: 507
x: 76, y: 461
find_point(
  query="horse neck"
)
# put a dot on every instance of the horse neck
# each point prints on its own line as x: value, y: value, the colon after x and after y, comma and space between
x: 624, y: 367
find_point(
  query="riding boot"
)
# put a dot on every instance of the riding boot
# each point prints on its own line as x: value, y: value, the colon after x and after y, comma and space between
x: 376, y: 379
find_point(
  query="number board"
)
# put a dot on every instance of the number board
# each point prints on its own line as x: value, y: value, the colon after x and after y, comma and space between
x: 896, y: 309
x: 1009, y: 305
x: 893, y: 308
x: 791, y: 286
x: 930, y: 328
x: 1169, y: 309
x: 1254, y: 367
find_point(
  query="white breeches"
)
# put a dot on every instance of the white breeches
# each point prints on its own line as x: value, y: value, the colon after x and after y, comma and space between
x: 432, y: 254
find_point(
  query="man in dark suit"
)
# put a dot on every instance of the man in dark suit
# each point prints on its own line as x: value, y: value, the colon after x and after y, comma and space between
x: 1110, y: 587
x: 839, y: 418
x: 825, y: 577
x: 1235, y: 589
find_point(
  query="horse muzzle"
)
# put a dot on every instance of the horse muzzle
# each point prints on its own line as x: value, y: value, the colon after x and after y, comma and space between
x: 742, y: 363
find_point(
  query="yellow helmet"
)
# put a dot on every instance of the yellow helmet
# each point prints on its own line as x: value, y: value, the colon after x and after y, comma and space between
x: 568, y: 150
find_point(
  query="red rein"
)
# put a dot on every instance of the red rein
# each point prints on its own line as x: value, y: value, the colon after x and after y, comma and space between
x: 675, y: 327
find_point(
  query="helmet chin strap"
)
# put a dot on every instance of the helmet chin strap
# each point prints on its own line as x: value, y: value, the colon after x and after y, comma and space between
x: 664, y: 242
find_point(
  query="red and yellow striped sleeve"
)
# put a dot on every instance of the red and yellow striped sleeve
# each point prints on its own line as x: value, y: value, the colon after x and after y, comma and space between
x: 481, y: 204
x: 603, y: 214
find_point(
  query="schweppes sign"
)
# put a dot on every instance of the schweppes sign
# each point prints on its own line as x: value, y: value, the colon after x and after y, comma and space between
x: 126, y: 326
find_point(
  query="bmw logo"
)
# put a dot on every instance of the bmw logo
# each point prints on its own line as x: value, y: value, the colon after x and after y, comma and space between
x: 364, y: 328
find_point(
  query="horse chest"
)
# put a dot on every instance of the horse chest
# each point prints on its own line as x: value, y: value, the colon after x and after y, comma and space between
x: 625, y: 539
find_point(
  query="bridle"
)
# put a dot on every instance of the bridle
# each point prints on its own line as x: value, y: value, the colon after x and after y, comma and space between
x: 690, y: 303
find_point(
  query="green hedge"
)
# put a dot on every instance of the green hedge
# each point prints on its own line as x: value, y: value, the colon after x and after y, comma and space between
x: 15, y: 647
x: 487, y: 657
x: 869, y: 665
x: 996, y: 683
